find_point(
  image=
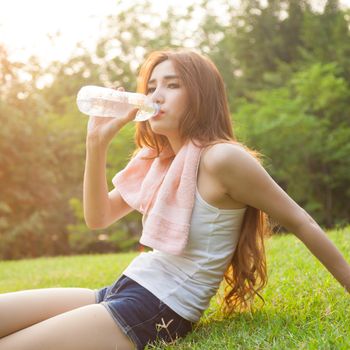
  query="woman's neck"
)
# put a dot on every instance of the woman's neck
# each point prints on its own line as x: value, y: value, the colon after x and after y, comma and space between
x: 175, y: 144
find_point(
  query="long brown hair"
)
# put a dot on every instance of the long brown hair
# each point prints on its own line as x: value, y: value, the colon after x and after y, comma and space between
x: 208, y: 121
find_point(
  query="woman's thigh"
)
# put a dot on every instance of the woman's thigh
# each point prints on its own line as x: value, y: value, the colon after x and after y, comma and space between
x: 89, y: 327
x: 19, y: 310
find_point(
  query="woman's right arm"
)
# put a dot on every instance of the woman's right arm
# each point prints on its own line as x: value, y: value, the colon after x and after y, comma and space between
x: 102, y: 208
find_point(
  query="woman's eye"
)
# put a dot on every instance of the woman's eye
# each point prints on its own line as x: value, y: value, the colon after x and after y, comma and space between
x: 150, y: 90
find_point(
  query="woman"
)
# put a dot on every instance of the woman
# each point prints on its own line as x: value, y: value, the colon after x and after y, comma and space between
x: 203, y: 197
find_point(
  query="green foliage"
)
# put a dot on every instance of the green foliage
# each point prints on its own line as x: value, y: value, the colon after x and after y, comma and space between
x: 303, y: 128
x: 28, y: 211
x: 287, y: 76
x: 122, y: 236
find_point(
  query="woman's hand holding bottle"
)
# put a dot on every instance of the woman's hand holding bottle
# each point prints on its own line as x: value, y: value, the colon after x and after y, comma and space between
x: 100, y: 131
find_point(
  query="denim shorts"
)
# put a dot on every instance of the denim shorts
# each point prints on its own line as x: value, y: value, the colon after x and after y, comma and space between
x: 140, y: 314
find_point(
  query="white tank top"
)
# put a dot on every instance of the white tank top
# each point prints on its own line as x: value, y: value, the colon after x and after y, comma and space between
x: 186, y: 283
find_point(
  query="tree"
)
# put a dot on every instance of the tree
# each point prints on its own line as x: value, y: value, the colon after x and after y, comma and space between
x: 303, y: 130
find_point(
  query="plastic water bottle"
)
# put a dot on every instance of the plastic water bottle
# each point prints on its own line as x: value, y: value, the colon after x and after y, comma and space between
x: 104, y: 102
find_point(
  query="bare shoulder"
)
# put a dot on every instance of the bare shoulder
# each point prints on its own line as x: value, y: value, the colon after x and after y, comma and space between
x: 237, y: 170
x: 227, y: 157
x: 246, y: 181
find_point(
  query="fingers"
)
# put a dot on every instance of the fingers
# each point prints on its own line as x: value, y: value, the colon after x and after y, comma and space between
x: 132, y: 114
x: 119, y: 123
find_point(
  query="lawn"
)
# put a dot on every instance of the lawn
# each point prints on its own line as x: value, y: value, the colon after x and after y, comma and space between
x: 305, y: 306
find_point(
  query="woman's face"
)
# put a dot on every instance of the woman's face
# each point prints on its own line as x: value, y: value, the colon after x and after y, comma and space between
x: 166, y: 89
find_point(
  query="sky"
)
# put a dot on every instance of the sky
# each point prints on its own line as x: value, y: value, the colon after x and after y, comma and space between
x: 27, y: 26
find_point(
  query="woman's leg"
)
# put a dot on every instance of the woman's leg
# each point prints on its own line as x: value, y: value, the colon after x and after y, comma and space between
x: 19, y: 310
x: 87, y: 328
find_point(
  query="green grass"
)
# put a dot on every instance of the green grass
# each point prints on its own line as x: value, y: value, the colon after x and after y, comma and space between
x: 305, y: 306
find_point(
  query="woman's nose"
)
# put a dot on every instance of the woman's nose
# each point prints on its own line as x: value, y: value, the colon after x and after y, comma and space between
x: 157, y: 96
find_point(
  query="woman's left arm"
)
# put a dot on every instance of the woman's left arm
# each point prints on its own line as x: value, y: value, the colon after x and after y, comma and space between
x: 246, y: 181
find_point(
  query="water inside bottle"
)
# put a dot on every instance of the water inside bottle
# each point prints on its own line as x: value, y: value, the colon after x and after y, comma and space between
x: 103, y: 108
x: 103, y: 102
x: 147, y: 111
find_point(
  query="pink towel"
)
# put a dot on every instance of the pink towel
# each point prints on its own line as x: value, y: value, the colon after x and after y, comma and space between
x: 163, y: 190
